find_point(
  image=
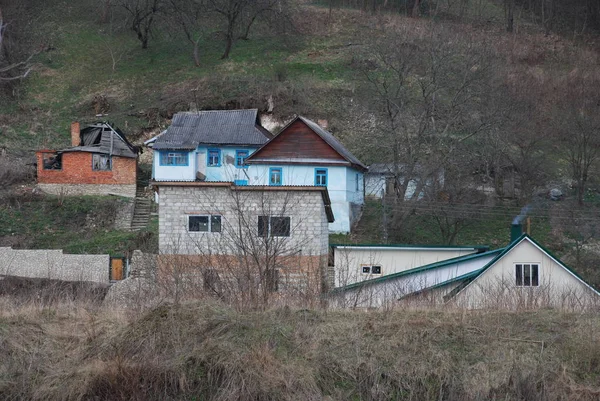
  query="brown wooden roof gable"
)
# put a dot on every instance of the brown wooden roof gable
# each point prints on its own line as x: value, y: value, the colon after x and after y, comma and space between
x: 303, y: 142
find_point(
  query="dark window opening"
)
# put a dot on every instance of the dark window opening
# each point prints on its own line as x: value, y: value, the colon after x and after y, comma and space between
x: 376, y: 269
x: 527, y: 275
x: 366, y: 269
x: 52, y: 161
x: 274, y: 226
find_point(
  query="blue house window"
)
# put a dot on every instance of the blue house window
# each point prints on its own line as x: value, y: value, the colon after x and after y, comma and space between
x: 214, y: 158
x: 321, y: 177
x: 275, y: 176
x: 173, y: 158
x: 240, y: 158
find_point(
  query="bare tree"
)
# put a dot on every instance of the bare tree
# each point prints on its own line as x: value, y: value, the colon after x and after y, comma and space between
x: 239, y: 16
x: 11, y: 70
x: 142, y: 16
x: 427, y: 94
x: 189, y: 16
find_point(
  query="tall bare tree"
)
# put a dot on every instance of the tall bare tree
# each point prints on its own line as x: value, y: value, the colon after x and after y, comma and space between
x: 142, y: 16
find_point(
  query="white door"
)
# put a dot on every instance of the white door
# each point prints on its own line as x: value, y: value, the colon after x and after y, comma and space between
x: 201, y: 163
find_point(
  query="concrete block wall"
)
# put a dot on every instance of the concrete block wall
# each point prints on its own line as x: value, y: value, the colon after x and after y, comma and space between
x: 53, y: 264
x: 240, y: 209
x: 301, y: 258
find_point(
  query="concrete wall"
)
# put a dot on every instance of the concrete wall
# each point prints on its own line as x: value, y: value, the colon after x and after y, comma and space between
x: 301, y: 257
x: 349, y: 260
x: 53, y: 264
x: 496, y: 287
x: 128, y: 190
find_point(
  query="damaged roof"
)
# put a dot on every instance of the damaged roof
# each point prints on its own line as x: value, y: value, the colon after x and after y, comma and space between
x: 213, y: 127
x: 102, y: 138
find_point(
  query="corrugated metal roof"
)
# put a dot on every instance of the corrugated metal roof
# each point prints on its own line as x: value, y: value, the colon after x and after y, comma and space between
x: 213, y: 127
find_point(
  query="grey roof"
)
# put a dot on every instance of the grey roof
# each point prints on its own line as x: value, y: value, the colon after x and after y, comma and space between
x: 102, y: 138
x: 333, y: 142
x: 213, y: 127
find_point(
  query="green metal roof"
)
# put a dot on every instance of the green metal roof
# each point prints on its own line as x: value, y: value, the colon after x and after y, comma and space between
x: 478, y: 247
x: 465, y: 276
x: 542, y: 248
x: 420, y: 269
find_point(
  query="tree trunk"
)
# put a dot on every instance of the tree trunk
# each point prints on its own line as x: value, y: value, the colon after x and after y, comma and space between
x: 228, y: 45
x: 105, y: 12
x: 415, y: 9
x: 510, y: 9
x: 197, y: 52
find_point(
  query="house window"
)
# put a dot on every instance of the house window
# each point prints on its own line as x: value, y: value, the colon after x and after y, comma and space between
x: 214, y: 158
x: 240, y: 158
x: 321, y: 177
x: 173, y: 158
x: 527, y: 275
x: 101, y: 162
x: 273, y: 226
x: 275, y: 176
x: 204, y: 223
x: 371, y: 269
x: 52, y: 161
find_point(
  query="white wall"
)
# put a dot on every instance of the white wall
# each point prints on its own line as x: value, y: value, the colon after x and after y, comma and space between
x: 496, y: 287
x: 375, y: 186
x: 386, y: 293
x: 349, y: 260
x: 174, y: 173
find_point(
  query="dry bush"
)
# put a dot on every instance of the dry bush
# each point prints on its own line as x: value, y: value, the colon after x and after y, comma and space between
x: 14, y: 171
x: 208, y: 351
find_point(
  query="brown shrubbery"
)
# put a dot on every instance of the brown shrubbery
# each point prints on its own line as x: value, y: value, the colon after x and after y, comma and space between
x: 210, y: 352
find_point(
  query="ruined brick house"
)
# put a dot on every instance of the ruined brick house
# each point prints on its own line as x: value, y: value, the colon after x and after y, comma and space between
x: 244, y: 241
x: 100, y: 161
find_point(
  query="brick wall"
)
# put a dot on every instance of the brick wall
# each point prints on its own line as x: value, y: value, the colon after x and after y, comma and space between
x: 53, y: 264
x: 301, y: 258
x: 78, y: 178
x: 77, y: 169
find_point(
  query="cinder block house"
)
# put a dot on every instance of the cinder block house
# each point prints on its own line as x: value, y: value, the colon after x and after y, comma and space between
x: 244, y: 242
x: 232, y: 146
x: 100, y: 161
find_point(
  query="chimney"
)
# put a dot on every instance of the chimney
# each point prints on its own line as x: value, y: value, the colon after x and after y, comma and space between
x: 75, y: 134
x: 516, y: 230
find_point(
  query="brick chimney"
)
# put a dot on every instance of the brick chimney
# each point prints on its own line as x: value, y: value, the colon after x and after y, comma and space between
x: 75, y: 134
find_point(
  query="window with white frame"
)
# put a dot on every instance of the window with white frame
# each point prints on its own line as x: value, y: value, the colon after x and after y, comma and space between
x: 214, y: 158
x: 371, y: 269
x: 101, y: 162
x: 173, y: 158
x: 527, y: 274
x: 204, y: 223
x: 269, y: 226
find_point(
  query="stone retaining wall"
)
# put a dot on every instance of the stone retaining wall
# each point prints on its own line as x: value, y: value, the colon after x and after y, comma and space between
x: 127, y: 190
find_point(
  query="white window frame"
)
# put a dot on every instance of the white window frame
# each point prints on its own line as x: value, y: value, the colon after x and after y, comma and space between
x: 210, y: 217
x: 522, y: 264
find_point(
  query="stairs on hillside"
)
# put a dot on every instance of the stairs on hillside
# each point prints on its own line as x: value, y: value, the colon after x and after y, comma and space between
x: 142, y: 209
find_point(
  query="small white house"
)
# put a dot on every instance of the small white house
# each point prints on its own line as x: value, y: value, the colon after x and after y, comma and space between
x: 522, y: 275
x: 383, y: 179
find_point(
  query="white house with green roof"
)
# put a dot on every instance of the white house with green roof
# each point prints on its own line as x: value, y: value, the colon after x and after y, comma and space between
x: 522, y: 275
